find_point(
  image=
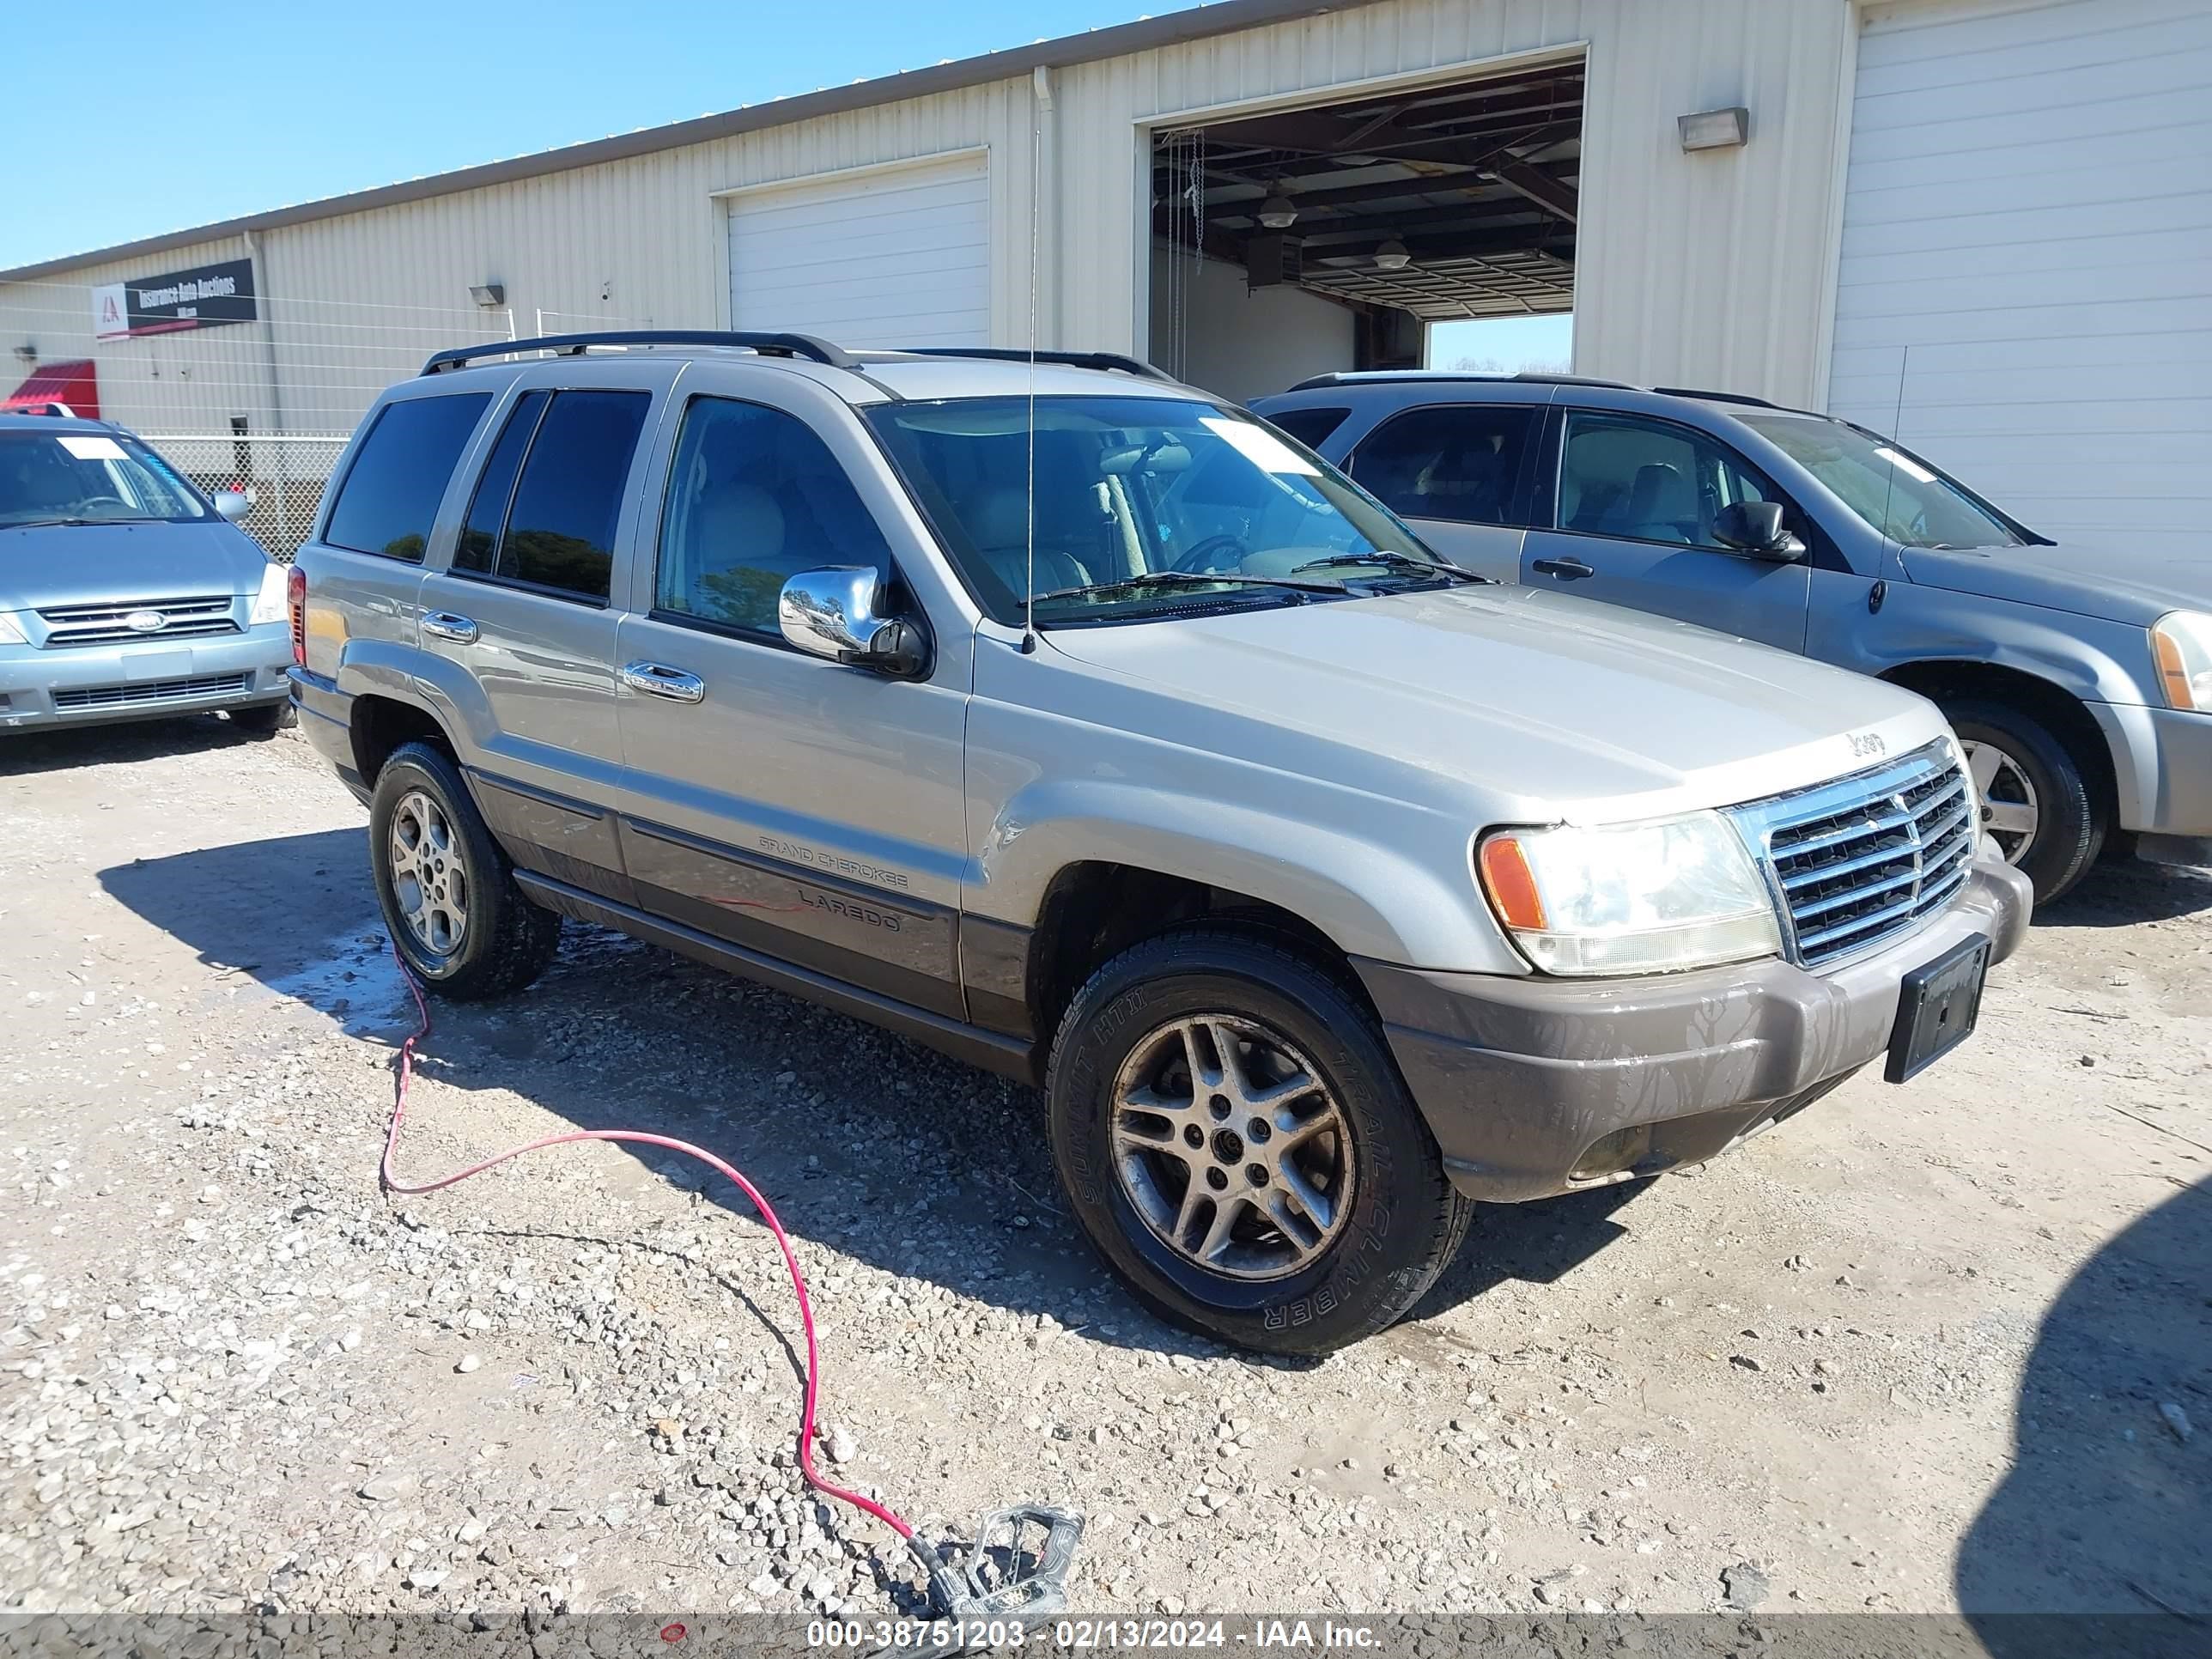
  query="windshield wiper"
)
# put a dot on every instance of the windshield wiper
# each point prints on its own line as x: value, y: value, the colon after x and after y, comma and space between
x: 1186, y: 578
x: 42, y: 524
x: 1402, y: 564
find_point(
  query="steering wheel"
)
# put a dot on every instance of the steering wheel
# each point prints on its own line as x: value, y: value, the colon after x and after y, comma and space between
x: 1193, y: 558
x: 103, y: 500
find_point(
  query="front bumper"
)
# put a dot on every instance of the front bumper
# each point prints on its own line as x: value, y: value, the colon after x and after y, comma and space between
x: 2162, y: 772
x: 1536, y: 1085
x: 87, y: 685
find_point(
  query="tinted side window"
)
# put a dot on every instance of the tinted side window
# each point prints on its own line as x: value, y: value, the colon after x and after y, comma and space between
x: 1648, y: 481
x: 560, y: 529
x: 754, y: 497
x: 392, y: 491
x: 478, y: 547
x: 1310, y: 427
x: 1455, y: 461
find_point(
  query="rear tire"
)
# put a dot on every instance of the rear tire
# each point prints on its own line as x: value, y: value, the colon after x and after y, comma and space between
x: 448, y: 892
x: 1338, y: 1214
x: 2019, y: 760
x: 265, y: 720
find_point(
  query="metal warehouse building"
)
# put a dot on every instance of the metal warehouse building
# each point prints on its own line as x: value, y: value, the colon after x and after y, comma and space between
x: 1986, y: 224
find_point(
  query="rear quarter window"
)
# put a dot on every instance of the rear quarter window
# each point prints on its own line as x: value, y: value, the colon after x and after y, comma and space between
x: 390, y: 497
x: 1310, y: 427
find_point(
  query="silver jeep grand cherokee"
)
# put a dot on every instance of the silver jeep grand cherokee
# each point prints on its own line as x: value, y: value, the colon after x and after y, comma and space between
x: 1325, y: 888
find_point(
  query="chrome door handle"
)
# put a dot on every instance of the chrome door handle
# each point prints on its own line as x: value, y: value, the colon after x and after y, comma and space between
x: 657, y: 680
x: 446, y: 625
x: 1567, y: 570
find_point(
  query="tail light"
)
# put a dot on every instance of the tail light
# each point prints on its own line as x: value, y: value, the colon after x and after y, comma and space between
x: 295, y: 601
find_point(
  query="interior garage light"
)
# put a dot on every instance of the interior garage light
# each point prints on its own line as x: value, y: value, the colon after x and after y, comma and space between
x: 488, y: 294
x: 1714, y: 129
x: 1277, y: 213
x: 1392, y: 256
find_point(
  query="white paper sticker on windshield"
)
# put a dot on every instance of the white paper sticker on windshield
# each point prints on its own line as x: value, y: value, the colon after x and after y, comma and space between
x: 90, y: 447
x: 1260, y: 446
x: 1906, y: 465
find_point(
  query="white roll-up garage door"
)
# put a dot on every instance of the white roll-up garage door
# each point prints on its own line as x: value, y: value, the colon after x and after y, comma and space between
x: 895, y: 257
x: 2029, y: 210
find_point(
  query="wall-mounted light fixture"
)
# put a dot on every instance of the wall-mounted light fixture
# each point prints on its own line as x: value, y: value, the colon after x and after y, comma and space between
x: 1392, y: 256
x: 26, y: 354
x: 488, y: 295
x: 1715, y: 129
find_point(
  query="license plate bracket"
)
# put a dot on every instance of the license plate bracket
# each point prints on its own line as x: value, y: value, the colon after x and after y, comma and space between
x: 1937, y: 1005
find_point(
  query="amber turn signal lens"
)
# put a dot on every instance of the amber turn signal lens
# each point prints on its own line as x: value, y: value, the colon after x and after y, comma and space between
x: 1512, y: 889
x: 2171, y: 670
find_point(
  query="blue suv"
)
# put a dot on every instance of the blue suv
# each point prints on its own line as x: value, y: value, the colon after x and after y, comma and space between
x: 2080, y: 683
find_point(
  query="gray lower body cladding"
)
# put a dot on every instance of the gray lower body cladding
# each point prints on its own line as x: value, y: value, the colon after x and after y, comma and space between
x: 1535, y: 1086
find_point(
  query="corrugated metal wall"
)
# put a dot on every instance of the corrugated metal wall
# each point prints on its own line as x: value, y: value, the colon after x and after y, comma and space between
x: 1711, y: 270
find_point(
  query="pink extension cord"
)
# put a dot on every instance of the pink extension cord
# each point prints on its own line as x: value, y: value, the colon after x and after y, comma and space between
x: 392, y: 1184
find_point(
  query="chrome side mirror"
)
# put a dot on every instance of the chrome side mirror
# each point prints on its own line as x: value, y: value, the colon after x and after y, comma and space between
x: 232, y: 505
x: 837, y: 612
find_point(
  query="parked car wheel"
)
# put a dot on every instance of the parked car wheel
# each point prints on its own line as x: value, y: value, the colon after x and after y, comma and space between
x: 265, y: 720
x: 448, y: 892
x: 1236, y: 1141
x: 2036, y: 804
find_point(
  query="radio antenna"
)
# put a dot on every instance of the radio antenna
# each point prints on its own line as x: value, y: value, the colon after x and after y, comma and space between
x: 1029, y: 557
x: 1896, y: 420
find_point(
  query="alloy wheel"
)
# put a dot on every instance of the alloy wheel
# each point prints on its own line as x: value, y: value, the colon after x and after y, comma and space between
x: 429, y: 878
x: 1231, y: 1146
x: 2011, y: 810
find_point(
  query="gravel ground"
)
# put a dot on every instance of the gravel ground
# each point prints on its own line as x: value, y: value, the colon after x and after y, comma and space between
x: 1919, y: 1346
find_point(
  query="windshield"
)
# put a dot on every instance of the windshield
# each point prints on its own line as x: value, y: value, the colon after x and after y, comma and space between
x: 1893, y: 490
x: 1219, y: 507
x: 87, y: 477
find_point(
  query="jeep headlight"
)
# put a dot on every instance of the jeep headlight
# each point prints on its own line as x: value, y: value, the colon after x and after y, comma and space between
x: 269, y: 603
x: 1632, y: 898
x: 2181, y: 642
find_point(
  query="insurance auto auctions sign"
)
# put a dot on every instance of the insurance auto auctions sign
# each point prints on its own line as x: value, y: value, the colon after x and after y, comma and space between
x: 201, y: 298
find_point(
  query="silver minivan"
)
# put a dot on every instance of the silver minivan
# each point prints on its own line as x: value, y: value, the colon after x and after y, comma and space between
x: 125, y: 592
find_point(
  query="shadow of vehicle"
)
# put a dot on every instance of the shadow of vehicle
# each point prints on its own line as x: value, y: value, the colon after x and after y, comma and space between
x: 2104, y: 1518
x: 1538, y: 1243
x: 2121, y: 891
x: 59, y: 749
x: 864, y: 1142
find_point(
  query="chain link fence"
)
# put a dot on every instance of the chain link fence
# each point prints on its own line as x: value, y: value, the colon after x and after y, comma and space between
x: 283, y: 474
x: 263, y: 407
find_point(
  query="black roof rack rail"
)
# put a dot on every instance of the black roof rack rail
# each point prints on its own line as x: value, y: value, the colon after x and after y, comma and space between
x: 775, y: 345
x: 1715, y: 397
x: 1102, y: 359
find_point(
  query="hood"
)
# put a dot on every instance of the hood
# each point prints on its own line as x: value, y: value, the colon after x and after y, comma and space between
x: 1559, y: 707
x: 125, y: 563
x: 2121, y: 584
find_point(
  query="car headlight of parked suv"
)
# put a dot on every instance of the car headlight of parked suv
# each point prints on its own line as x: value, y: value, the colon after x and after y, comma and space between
x: 1632, y: 898
x: 269, y: 605
x: 2182, y: 642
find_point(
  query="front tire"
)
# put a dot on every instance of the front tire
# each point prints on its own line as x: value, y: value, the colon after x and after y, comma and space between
x: 2037, y: 804
x: 1235, y: 1141
x: 448, y: 893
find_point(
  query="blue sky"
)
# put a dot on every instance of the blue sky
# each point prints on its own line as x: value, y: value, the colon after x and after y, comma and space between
x: 251, y: 105
x: 1509, y: 343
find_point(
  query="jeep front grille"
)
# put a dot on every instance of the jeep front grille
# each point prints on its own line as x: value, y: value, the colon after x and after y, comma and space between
x: 109, y: 624
x: 1864, y: 860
